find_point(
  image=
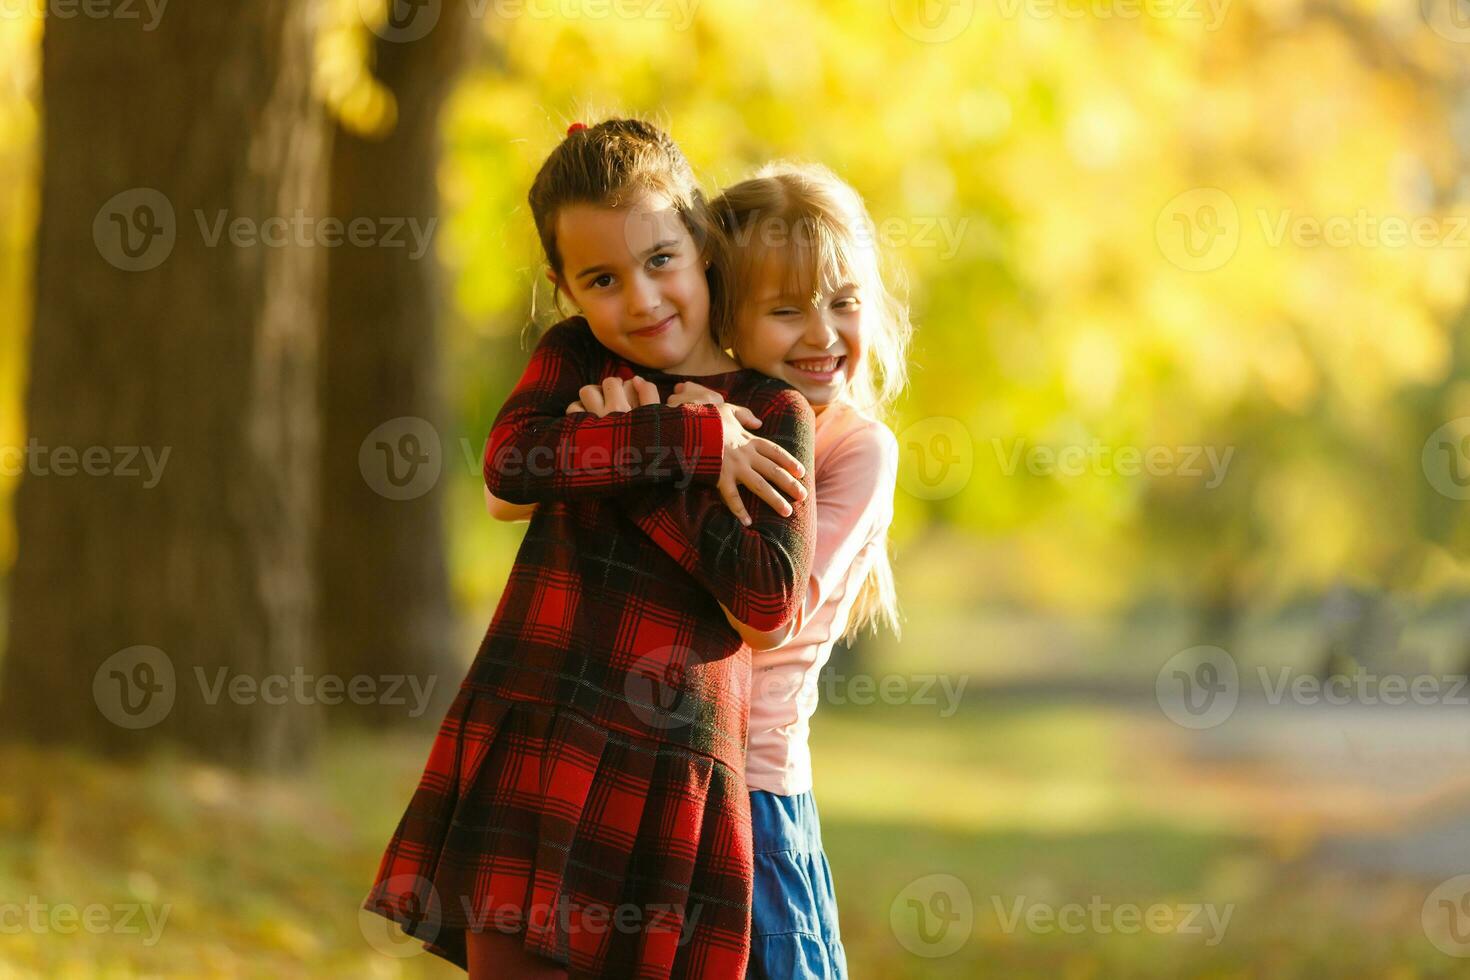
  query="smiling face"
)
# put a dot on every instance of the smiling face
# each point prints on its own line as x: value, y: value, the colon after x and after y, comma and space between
x: 810, y: 338
x: 639, y: 279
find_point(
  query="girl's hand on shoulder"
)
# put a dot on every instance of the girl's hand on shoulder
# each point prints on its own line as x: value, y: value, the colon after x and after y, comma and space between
x: 747, y: 461
x: 614, y: 395
x: 693, y: 393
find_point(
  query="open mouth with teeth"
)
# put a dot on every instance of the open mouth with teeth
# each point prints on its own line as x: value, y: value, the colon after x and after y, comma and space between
x: 819, y: 368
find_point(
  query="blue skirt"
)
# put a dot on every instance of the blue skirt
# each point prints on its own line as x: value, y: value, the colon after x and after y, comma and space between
x: 794, y: 934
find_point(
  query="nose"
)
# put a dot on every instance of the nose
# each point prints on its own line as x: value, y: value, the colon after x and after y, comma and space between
x: 819, y: 332
x: 643, y: 296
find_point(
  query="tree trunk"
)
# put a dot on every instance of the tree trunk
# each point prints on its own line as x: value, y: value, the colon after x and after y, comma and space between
x: 386, y: 446
x: 136, y: 591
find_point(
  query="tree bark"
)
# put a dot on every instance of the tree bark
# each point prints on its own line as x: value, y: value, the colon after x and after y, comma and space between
x: 138, y: 600
x: 387, y: 450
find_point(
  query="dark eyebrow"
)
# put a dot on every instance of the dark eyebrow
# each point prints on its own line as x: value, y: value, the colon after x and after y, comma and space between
x: 656, y: 247
x: 660, y: 246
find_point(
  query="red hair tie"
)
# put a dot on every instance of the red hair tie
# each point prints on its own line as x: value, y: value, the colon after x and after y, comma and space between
x: 575, y: 128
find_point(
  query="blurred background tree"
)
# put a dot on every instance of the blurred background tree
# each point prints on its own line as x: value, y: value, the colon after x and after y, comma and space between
x: 210, y: 352
x: 385, y: 603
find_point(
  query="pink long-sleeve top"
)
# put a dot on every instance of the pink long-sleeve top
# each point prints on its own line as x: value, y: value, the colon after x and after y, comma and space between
x: 856, y: 463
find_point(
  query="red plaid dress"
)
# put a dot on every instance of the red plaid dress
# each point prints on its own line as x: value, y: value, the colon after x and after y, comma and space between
x: 586, y: 788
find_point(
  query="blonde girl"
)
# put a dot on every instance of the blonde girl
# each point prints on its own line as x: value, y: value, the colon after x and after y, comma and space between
x: 811, y: 308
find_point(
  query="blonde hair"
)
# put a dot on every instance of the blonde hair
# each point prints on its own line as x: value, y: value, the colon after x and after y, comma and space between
x: 820, y: 225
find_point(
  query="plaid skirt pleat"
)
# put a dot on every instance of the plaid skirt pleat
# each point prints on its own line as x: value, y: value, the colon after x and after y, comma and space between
x: 611, y: 854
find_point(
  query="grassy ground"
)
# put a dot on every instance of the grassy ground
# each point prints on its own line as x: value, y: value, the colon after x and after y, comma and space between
x: 1072, y: 811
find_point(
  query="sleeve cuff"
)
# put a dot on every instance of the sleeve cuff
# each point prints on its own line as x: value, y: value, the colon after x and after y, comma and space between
x: 705, y: 444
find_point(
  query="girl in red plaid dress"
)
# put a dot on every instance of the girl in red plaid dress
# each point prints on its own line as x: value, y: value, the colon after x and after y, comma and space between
x: 583, y: 811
